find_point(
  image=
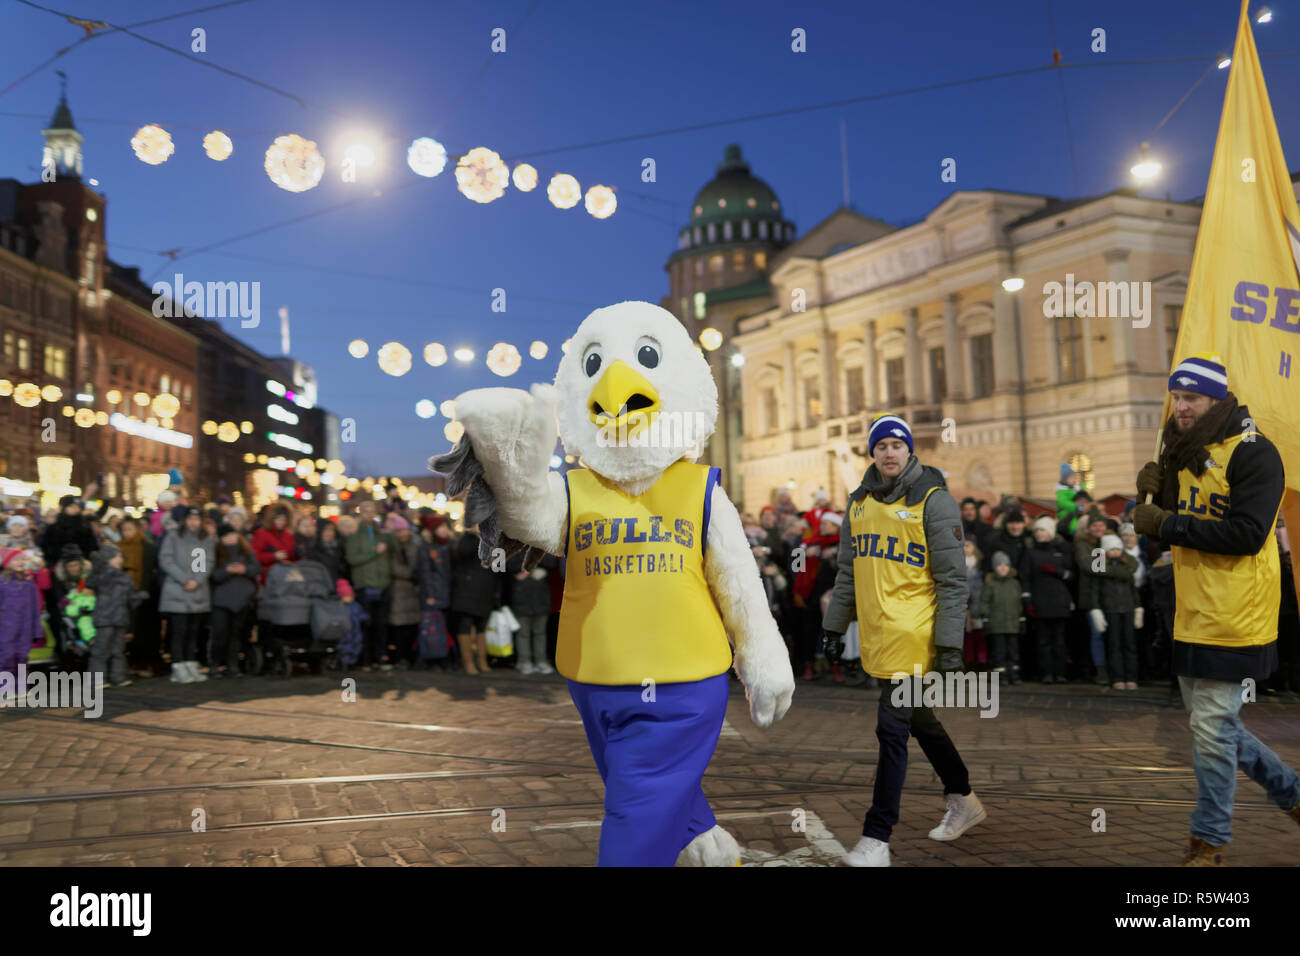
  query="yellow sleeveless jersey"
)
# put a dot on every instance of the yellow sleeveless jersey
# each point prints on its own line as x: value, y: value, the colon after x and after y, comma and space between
x: 636, y: 602
x: 1228, y: 600
x: 894, y: 589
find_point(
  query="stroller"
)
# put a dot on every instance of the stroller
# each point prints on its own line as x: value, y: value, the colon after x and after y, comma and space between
x: 300, y: 618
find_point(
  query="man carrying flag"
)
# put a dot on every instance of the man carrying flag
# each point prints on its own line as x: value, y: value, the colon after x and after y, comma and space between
x: 1220, y: 483
x: 1217, y: 491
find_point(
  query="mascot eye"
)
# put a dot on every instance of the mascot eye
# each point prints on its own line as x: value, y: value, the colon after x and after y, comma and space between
x: 591, y: 364
x: 647, y: 352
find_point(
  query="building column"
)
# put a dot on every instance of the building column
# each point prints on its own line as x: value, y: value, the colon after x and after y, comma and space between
x: 1005, y: 372
x: 792, y: 422
x: 831, y: 396
x: 870, y: 372
x: 912, y: 357
x: 953, y: 366
x: 1125, y: 355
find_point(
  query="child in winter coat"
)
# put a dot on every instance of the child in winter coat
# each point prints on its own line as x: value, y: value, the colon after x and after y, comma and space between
x: 1115, y: 597
x: 112, y: 615
x: 1002, y: 610
x: 20, y: 614
x: 351, y: 646
x: 77, y: 601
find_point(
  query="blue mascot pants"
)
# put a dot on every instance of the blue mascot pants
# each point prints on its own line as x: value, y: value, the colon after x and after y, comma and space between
x: 652, y: 756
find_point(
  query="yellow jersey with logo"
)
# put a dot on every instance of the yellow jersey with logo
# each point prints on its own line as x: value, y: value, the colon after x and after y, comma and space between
x: 1228, y: 600
x: 636, y: 602
x: 893, y: 585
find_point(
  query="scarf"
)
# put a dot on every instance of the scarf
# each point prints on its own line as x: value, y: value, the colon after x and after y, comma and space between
x: 1186, y: 449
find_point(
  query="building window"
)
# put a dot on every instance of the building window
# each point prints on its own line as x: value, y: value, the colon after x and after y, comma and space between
x: 746, y: 229
x: 812, y: 397
x: 711, y: 231
x: 9, y: 348
x: 56, y: 361
x: 701, y: 305
x: 1070, y: 351
x: 683, y: 307
x: 854, y: 393
x: 699, y: 267
x: 762, y: 229
x: 1082, y: 465
x: 738, y: 261
x: 166, y: 385
x: 938, y: 376
x: 981, y: 362
x: 760, y: 260
x: 726, y: 229
x: 716, y: 263
x: 894, y: 382
x: 771, y: 411
x: 1173, y: 316
x: 24, y: 353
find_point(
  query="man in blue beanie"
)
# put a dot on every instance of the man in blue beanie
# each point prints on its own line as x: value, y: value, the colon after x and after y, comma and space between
x: 902, y: 576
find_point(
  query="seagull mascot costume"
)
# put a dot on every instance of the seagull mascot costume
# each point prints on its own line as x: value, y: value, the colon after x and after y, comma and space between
x: 660, y: 582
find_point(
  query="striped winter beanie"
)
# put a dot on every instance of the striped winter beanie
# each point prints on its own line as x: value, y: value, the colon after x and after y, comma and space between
x: 1203, y: 374
x: 888, y: 426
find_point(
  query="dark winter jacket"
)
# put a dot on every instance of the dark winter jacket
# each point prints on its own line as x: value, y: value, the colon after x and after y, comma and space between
x: 234, y: 592
x: 434, y: 570
x: 1112, y: 590
x: 474, y: 589
x: 1047, y: 570
x: 1002, y: 540
x: 113, y: 588
x: 1084, y: 546
x: 330, y: 554
x: 1000, y: 603
x: 403, y: 594
x: 531, y: 596
x: 67, y: 529
x: 943, y: 543
x: 370, y: 569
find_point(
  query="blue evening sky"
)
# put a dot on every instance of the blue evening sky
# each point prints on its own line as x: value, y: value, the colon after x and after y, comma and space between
x: 418, y: 264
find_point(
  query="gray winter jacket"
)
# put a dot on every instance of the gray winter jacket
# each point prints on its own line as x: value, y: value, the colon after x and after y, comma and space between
x: 943, y: 543
x: 177, y: 558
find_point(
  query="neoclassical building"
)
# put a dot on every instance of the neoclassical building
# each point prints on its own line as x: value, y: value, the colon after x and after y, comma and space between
x: 999, y: 388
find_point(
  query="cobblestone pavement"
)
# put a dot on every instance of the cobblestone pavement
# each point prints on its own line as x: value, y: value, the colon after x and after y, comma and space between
x: 453, y: 770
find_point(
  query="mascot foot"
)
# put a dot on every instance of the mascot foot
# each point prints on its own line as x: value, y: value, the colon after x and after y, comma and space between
x: 714, y: 847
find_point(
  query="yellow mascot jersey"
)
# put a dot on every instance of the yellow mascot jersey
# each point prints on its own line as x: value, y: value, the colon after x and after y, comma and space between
x: 894, y: 589
x: 1228, y: 600
x: 636, y: 602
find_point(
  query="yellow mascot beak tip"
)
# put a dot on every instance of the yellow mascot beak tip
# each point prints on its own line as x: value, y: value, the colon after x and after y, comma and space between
x: 622, y: 398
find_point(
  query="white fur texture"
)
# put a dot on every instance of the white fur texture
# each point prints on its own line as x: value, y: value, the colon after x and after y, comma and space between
x: 714, y: 847
x: 761, y: 661
x: 513, y: 436
x: 682, y: 380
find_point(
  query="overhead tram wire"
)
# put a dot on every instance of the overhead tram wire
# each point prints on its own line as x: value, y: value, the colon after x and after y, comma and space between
x: 1065, y: 105
x: 91, y: 36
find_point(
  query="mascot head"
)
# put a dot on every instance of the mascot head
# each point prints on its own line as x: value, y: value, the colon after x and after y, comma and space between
x: 636, y: 394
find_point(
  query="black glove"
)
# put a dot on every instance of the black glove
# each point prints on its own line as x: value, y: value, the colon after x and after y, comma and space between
x: 949, y: 659
x: 833, y: 646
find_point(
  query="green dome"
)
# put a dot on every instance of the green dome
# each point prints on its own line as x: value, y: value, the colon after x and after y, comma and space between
x: 734, y: 194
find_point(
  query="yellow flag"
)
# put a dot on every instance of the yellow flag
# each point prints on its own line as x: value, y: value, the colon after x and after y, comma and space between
x: 1243, y: 295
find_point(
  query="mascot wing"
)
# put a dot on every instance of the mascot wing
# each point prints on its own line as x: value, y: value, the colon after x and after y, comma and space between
x: 502, y: 465
x: 762, y: 662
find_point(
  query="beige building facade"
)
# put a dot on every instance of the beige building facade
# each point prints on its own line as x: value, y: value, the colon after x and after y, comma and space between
x: 998, y: 387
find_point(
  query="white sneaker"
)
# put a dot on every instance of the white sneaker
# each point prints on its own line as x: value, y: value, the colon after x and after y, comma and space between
x: 180, y: 673
x: 527, y: 668
x: 545, y: 668
x: 868, y: 852
x: 192, y: 668
x: 963, y: 813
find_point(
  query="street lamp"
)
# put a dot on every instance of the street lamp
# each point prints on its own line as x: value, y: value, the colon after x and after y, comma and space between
x: 1146, y: 168
x: 1013, y: 283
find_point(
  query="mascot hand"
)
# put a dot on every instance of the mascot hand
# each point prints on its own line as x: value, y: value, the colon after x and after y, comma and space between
x: 769, y: 681
x: 513, y: 432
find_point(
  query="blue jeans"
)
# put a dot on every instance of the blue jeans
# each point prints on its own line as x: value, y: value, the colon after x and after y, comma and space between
x: 1098, y: 642
x: 1222, y: 744
x: 652, y: 756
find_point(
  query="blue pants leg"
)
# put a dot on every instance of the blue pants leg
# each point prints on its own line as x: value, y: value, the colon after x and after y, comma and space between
x: 652, y: 756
